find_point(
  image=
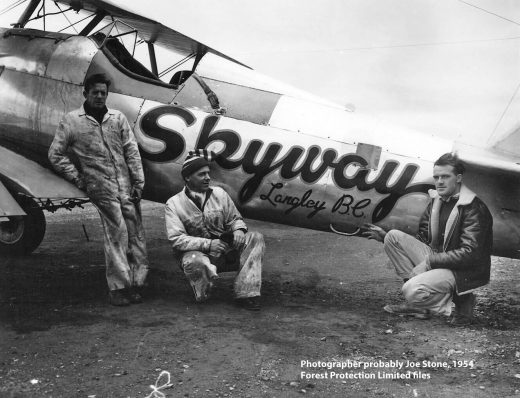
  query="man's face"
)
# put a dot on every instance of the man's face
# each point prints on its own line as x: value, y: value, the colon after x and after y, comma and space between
x: 96, y: 96
x: 447, y: 182
x: 199, y: 181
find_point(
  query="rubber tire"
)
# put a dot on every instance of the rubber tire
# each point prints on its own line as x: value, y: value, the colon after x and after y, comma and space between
x: 33, y: 225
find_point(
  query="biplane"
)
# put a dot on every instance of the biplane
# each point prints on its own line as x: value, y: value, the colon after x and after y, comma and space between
x: 283, y: 155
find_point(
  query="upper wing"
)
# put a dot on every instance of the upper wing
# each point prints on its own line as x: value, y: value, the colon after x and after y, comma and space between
x: 149, y: 30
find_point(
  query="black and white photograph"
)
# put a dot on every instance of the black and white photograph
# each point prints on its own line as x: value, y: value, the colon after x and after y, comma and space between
x: 259, y: 199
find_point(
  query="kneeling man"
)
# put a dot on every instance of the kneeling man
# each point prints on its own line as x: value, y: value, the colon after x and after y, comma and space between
x: 450, y: 256
x: 208, y: 235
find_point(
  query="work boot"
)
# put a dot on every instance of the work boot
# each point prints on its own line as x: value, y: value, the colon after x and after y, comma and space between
x: 464, y: 306
x: 201, y: 289
x: 135, y: 294
x: 118, y: 298
x: 407, y: 310
x: 249, y: 303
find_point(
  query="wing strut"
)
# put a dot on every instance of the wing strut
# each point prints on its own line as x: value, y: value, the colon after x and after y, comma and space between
x: 201, y: 51
x: 153, y: 60
x: 92, y: 24
x: 24, y: 18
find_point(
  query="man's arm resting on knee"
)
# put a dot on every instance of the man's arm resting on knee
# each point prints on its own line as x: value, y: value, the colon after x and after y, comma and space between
x: 239, y: 238
x: 217, y: 247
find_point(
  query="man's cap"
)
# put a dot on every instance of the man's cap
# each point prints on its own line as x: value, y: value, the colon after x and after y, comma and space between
x: 196, y: 160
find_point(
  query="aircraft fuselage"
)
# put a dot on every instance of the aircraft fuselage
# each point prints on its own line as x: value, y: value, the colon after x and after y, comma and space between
x: 282, y: 158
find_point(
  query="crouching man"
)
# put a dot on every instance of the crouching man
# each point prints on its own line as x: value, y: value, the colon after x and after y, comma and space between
x: 208, y: 235
x: 450, y: 257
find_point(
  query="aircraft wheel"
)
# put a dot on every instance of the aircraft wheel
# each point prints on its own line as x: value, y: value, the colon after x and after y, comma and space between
x: 22, y: 234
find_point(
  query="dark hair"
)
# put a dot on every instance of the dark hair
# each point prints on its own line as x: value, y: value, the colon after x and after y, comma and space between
x: 97, y: 78
x: 450, y: 159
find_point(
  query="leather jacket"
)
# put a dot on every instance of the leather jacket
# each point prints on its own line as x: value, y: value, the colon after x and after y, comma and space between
x: 468, y: 240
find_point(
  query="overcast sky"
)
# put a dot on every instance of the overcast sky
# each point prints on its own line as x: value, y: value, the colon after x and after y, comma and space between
x: 444, y: 67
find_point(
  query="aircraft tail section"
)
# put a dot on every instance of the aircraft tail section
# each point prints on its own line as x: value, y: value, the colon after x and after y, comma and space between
x: 509, y: 144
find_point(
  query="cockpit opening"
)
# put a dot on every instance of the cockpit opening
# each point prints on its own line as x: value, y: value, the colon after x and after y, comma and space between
x: 121, y: 57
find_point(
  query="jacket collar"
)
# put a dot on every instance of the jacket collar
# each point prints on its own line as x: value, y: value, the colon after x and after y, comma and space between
x: 466, y: 195
x: 83, y: 112
x: 199, y: 201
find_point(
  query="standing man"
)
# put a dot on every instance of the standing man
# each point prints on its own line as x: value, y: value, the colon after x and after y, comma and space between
x: 208, y: 234
x: 451, y: 255
x: 107, y: 165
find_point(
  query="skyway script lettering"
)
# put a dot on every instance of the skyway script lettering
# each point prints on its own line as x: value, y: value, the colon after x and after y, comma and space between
x: 289, y: 166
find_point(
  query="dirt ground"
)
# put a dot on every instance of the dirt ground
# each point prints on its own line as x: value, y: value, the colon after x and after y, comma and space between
x: 322, y: 309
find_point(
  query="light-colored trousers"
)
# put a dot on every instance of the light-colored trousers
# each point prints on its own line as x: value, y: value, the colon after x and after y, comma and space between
x: 248, y: 281
x: 124, y: 242
x: 430, y: 290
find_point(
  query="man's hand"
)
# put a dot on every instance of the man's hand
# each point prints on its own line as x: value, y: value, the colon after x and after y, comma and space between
x: 420, y: 268
x: 373, y: 232
x: 135, y: 194
x: 239, y: 239
x: 217, y: 247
